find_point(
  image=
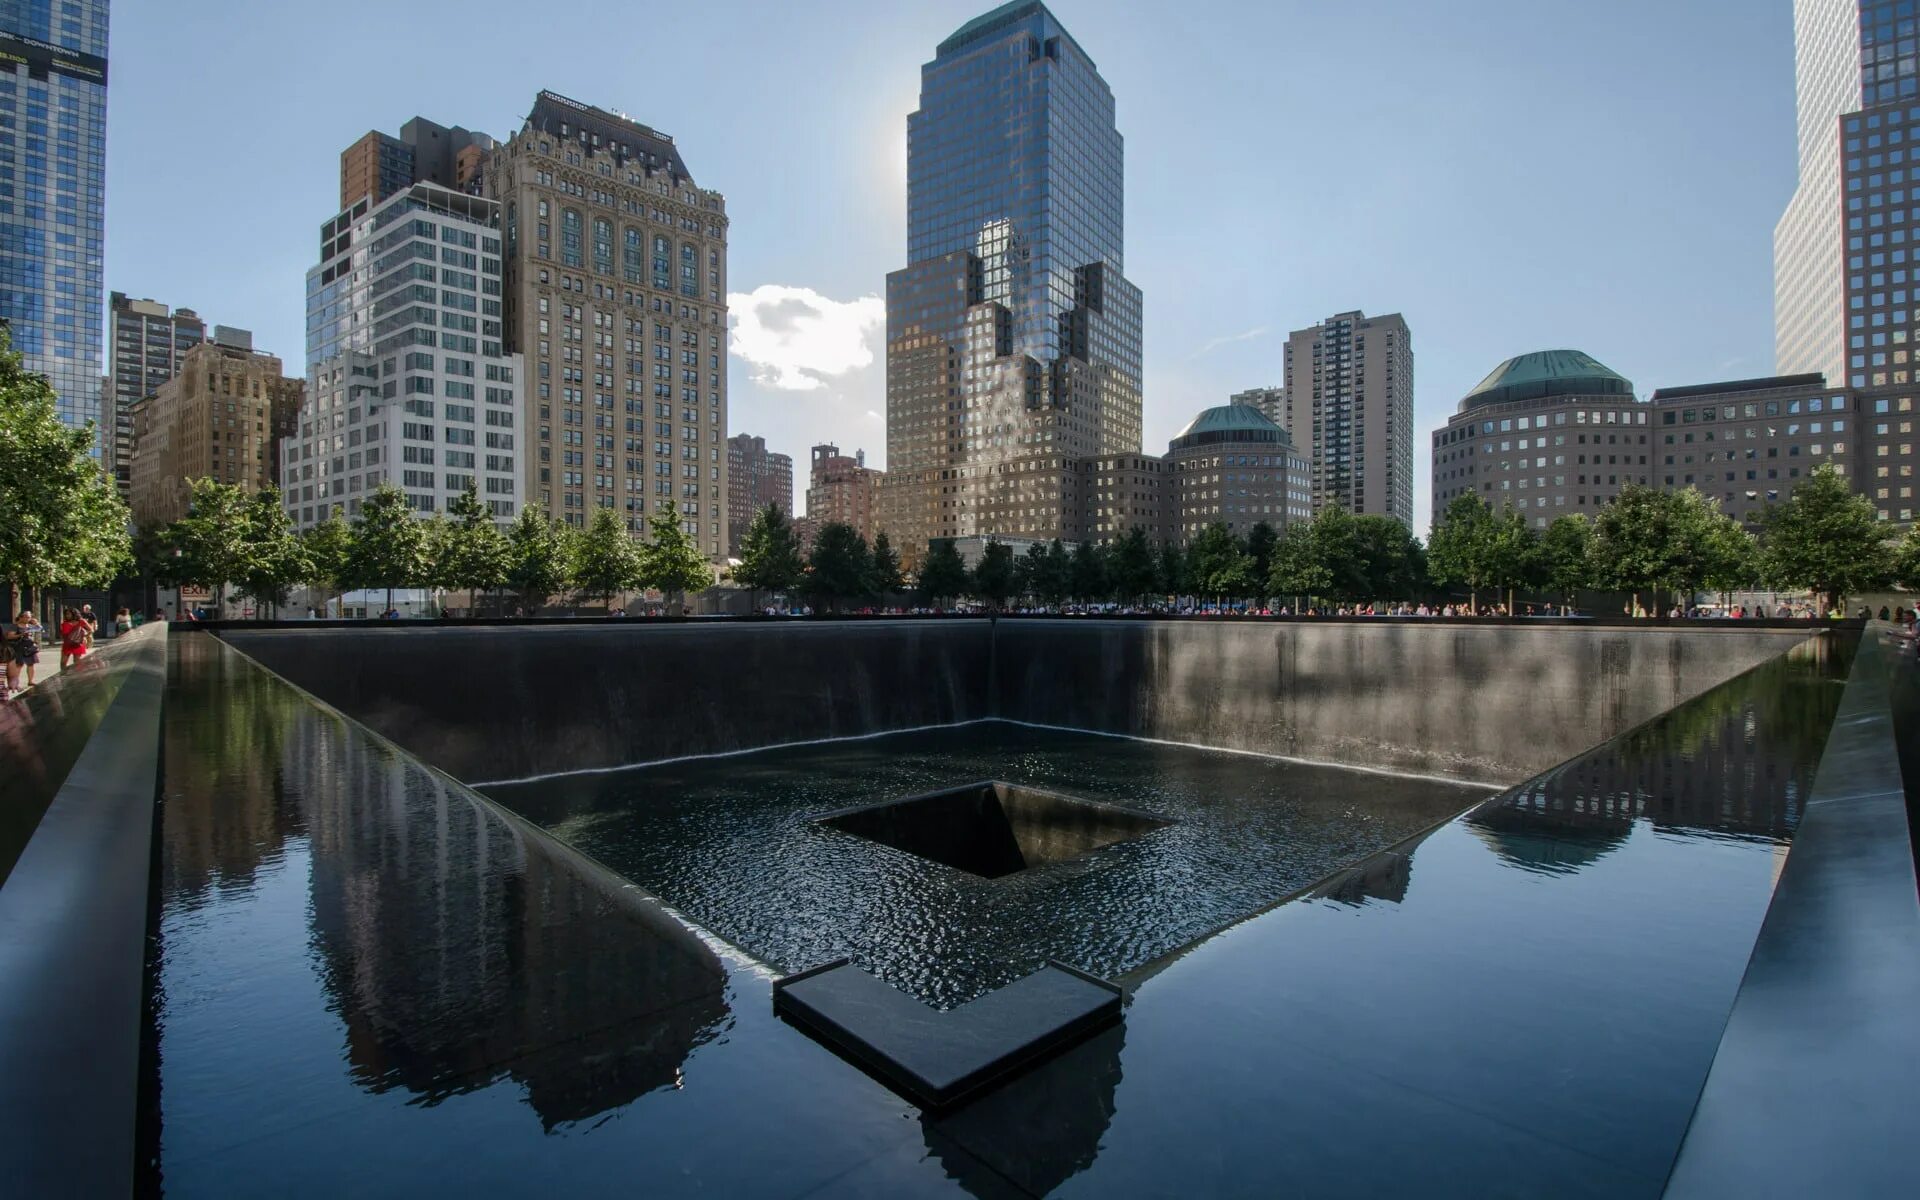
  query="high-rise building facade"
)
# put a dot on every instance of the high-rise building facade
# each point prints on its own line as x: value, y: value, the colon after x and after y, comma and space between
x: 843, y: 489
x: 1234, y: 466
x: 409, y: 380
x: 53, y: 138
x: 1271, y: 401
x: 223, y: 415
x: 756, y: 477
x: 1013, y: 336
x: 1348, y: 405
x: 379, y: 164
x: 616, y: 284
x: 146, y: 343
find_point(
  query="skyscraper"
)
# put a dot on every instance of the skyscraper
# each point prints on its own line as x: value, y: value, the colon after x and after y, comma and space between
x: 616, y: 285
x: 148, y: 342
x: 408, y: 380
x: 1349, y: 406
x: 1809, y: 259
x: 756, y: 477
x: 1013, y: 338
x: 379, y: 164
x: 53, y: 134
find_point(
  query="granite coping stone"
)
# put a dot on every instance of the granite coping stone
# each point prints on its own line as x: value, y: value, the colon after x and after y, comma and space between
x: 938, y: 1059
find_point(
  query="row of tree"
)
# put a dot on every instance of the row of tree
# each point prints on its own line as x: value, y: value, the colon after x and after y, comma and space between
x: 235, y: 537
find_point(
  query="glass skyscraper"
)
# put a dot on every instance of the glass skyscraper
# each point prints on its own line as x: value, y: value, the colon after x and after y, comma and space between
x: 1013, y: 337
x: 53, y: 134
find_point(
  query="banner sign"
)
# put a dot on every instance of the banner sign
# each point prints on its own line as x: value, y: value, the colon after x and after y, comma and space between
x: 40, y: 57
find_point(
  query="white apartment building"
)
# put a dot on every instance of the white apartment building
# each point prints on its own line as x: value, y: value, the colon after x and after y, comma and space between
x: 408, y: 378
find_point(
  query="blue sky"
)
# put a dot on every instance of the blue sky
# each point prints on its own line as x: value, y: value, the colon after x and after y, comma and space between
x: 1511, y: 175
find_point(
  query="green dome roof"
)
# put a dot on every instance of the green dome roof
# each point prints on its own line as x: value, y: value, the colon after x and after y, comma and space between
x: 1230, y: 423
x: 1547, y: 373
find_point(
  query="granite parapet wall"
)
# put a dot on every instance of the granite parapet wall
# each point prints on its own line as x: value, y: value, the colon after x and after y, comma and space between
x: 487, y: 704
x: 1492, y: 703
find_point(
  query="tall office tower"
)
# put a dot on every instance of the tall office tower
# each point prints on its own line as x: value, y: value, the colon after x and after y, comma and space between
x: 1349, y: 406
x: 843, y: 489
x: 222, y: 416
x: 1013, y: 338
x: 616, y: 280
x: 53, y: 136
x: 1809, y: 306
x: 147, y: 343
x: 408, y: 378
x: 1271, y: 401
x: 379, y: 164
x: 756, y: 477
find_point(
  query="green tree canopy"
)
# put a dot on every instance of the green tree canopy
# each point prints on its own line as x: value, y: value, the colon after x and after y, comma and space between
x: 1563, y: 559
x: 1826, y: 539
x: 841, y: 566
x: 1134, y: 572
x: 276, y: 558
x: 1391, y: 563
x: 1460, y: 548
x: 673, y: 562
x: 993, y: 576
x: 389, y: 545
x: 1261, y: 540
x: 604, y: 562
x: 1217, y: 565
x: 886, y: 566
x: 473, y: 554
x: 61, y: 519
x: 943, y: 575
x: 1297, y: 570
x: 770, y: 559
x: 213, y: 542
x: 326, y: 548
x: 537, y: 558
x: 1087, y: 573
x: 1172, y: 568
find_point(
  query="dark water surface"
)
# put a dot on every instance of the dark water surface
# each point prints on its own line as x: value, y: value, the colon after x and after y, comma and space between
x: 733, y: 843
x: 370, y: 982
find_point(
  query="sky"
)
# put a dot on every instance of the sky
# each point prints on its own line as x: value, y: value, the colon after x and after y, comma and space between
x: 1510, y: 175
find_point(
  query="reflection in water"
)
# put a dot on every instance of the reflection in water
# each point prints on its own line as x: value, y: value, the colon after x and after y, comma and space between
x: 456, y: 949
x: 1735, y: 762
x: 1040, y: 1129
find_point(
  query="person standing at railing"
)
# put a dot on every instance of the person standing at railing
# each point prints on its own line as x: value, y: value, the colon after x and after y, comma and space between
x: 22, y: 646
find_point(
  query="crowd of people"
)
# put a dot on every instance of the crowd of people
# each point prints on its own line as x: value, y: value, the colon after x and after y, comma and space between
x: 22, y: 638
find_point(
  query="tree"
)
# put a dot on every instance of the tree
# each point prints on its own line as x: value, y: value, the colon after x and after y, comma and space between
x: 213, y: 542
x: 672, y: 560
x: 1728, y: 556
x: 770, y: 555
x: 1338, y: 551
x: 1826, y: 539
x: 537, y: 558
x: 325, y: 549
x: 1172, y: 569
x: 473, y: 554
x: 1634, y: 542
x: 886, y: 578
x: 276, y: 558
x: 1217, y: 565
x: 389, y: 547
x: 604, y: 562
x: 841, y: 566
x: 1459, y: 548
x: 943, y: 576
x: 1056, y: 578
x: 1132, y: 567
x: 1261, y: 540
x: 61, y: 519
x: 1562, y: 557
x: 1087, y: 573
x: 1297, y: 570
x: 993, y: 576
x: 1392, y: 564
x: 1510, y: 556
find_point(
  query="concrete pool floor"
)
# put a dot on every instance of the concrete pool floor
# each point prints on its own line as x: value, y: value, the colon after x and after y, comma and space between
x: 369, y: 979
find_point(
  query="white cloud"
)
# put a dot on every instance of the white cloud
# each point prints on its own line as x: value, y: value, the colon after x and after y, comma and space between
x: 1245, y: 335
x: 797, y: 339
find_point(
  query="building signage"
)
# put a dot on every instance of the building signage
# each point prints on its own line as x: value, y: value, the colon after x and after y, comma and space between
x: 41, y: 57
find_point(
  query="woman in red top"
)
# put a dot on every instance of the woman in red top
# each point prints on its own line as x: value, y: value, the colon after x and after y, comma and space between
x: 75, y: 635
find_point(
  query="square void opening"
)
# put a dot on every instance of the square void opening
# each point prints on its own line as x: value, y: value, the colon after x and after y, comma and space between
x: 994, y: 829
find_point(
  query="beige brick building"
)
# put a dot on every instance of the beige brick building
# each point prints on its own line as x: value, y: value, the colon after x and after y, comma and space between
x: 616, y: 284
x: 221, y: 417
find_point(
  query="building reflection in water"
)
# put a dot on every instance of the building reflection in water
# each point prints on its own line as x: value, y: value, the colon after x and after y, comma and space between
x: 1737, y: 761
x: 457, y: 948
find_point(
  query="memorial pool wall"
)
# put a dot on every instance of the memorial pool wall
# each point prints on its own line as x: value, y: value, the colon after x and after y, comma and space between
x: 1492, y: 703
